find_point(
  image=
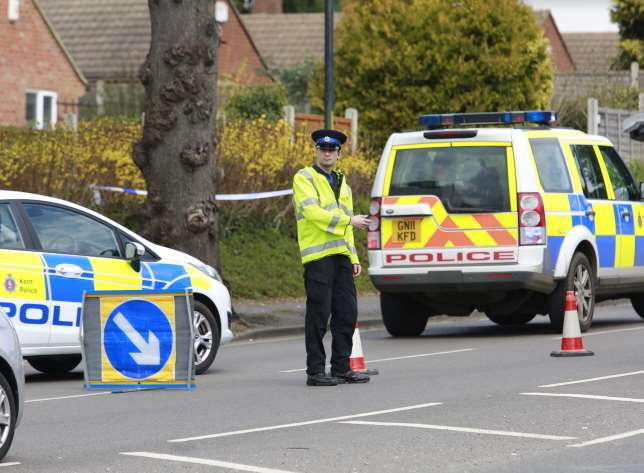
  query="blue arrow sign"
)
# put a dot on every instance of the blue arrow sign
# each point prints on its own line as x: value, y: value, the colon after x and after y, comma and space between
x: 138, y: 339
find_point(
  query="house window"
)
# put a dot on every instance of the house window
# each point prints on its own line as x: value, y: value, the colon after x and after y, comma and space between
x: 41, y: 111
x: 13, y: 10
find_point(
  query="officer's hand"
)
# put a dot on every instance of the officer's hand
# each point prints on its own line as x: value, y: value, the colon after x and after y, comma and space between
x: 357, y: 269
x: 360, y: 221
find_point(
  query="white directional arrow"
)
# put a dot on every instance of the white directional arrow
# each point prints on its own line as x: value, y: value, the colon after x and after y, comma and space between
x: 149, y: 352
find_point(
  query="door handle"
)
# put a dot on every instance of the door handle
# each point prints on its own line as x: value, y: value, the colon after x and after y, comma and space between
x: 590, y: 213
x: 69, y: 270
x: 625, y: 214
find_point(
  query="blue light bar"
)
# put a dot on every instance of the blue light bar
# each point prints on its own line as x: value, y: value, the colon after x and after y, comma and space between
x: 488, y: 118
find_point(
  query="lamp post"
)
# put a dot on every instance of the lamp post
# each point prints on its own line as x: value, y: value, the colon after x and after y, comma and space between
x: 328, y: 64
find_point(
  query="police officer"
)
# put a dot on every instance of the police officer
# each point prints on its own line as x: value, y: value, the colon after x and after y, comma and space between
x: 325, y: 222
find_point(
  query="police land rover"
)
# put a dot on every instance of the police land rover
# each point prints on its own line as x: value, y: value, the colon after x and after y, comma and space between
x: 52, y: 251
x: 502, y: 220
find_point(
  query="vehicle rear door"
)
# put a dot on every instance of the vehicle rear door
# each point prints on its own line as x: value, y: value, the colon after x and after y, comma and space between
x: 23, y: 286
x: 450, y: 204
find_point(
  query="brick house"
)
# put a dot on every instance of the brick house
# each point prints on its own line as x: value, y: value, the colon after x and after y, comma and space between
x: 267, y: 6
x: 594, y: 55
x: 561, y: 57
x: 110, y: 39
x: 38, y: 78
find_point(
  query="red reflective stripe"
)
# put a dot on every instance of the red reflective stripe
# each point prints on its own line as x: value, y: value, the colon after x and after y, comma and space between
x: 441, y: 238
x: 391, y: 244
x: 572, y: 344
x: 495, y: 229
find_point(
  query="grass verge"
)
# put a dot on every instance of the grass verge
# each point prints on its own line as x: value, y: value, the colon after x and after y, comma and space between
x: 259, y: 263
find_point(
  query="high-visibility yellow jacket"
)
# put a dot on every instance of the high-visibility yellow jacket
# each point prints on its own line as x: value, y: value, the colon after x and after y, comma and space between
x: 323, y: 223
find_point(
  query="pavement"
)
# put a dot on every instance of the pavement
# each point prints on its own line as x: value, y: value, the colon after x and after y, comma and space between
x: 276, y: 318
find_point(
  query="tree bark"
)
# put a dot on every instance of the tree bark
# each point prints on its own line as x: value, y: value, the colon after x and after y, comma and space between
x: 177, y: 152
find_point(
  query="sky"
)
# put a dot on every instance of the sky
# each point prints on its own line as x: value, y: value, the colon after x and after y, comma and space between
x: 577, y: 15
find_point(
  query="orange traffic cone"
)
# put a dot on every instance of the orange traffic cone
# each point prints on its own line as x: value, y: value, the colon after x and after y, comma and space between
x: 571, y: 341
x: 356, y: 360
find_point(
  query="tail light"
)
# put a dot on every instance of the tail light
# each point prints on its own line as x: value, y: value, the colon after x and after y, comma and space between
x: 373, y: 234
x: 532, y: 219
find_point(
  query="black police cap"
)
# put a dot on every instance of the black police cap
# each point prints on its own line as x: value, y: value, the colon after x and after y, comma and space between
x: 328, y: 138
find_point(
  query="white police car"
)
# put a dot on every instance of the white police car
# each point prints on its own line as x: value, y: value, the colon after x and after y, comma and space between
x: 51, y: 251
x: 503, y: 220
x: 12, y: 384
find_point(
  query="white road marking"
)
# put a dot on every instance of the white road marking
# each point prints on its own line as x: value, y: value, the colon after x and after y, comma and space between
x: 9, y: 464
x: 67, y: 397
x: 587, y: 396
x: 399, y: 358
x: 309, y: 422
x: 609, y: 438
x: 205, y: 461
x: 588, y: 380
x: 462, y: 429
x: 605, y: 332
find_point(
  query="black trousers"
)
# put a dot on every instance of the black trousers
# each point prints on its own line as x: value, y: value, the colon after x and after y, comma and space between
x: 330, y: 291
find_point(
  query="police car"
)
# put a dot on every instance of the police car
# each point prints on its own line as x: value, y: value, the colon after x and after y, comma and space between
x: 52, y: 251
x: 12, y: 384
x: 502, y: 220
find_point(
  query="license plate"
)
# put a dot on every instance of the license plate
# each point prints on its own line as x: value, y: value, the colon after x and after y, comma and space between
x: 406, y: 230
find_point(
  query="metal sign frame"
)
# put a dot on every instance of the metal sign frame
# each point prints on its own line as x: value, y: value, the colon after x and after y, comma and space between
x: 129, y: 384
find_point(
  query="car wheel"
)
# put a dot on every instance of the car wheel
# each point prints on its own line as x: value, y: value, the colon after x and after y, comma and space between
x: 581, y: 280
x: 8, y: 416
x: 510, y: 319
x: 638, y: 304
x: 402, y: 315
x: 206, y: 337
x: 55, y: 364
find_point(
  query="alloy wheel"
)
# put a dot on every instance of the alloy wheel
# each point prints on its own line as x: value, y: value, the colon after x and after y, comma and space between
x: 582, y: 285
x: 5, y: 417
x: 203, y: 338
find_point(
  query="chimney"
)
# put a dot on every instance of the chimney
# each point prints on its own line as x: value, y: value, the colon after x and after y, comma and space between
x: 267, y: 6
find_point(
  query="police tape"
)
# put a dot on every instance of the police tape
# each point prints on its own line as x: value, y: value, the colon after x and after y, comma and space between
x: 250, y: 196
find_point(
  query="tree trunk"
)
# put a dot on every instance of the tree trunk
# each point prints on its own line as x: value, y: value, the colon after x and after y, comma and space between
x: 177, y: 152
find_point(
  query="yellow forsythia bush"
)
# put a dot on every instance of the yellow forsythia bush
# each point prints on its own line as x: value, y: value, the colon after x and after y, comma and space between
x: 65, y: 164
x: 259, y: 156
x: 252, y: 156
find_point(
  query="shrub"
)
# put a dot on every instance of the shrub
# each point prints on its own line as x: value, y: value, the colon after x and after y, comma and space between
x: 258, y: 156
x: 573, y: 110
x: 250, y: 102
x: 395, y: 60
x: 252, y: 156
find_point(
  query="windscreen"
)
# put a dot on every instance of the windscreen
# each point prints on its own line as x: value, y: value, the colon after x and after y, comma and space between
x: 467, y: 179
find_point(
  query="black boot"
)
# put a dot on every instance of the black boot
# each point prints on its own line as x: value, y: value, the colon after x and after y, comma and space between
x: 321, y: 379
x: 351, y: 377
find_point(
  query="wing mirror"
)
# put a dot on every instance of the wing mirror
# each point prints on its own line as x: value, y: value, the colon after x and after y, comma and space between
x: 133, y: 252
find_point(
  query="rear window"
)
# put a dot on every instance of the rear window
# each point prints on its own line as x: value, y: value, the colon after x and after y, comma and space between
x: 551, y: 165
x: 467, y: 179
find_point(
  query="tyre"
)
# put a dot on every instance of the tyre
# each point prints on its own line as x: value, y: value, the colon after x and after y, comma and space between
x: 59, y: 364
x: 581, y: 280
x: 206, y: 337
x: 402, y: 315
x: 638, y: 304
x: 8, y: 415
x: 510, y: 319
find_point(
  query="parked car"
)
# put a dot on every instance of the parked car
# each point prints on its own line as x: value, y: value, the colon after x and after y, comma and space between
x: 503, y: 220
x: 51, y: 251
x: 12, y: 384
